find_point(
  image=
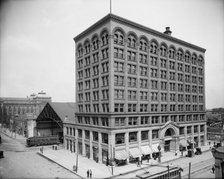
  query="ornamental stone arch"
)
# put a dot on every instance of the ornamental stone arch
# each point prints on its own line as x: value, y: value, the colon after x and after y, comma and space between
x: 170, y: 128
x: 143, y: 37
x: 104, y: 35
x: 120, y: 30
x: 131, y: 33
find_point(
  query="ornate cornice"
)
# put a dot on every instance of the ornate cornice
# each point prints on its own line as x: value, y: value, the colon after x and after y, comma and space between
x: 115, y: 18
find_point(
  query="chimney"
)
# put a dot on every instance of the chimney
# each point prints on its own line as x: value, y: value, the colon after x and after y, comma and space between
x: 168, y: 32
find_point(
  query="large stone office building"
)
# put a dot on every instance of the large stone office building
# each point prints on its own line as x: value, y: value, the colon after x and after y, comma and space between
x: 136, y: 88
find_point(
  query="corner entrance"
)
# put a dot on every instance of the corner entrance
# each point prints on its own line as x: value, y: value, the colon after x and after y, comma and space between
x: 169, y: 133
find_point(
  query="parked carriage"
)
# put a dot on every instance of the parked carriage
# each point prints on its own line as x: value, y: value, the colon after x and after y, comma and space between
x: 42, y: 140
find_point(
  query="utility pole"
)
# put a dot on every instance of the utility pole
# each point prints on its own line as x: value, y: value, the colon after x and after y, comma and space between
x: 189, y: 174
x: 168, y: 171
x: 112, y: 168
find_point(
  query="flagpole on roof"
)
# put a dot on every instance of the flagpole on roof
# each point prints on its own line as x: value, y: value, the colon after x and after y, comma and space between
x: 110, y: 6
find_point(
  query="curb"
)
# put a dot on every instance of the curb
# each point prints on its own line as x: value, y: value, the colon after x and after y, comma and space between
x: 59, y: 164
x: 114, y: 176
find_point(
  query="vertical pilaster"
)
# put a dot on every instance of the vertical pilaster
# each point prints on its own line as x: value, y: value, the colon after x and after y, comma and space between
x: 139, y: 138
x: 192, y: 134
x: 91, y: 144
x: 83, y: 143
x: 185, y: 132
x: 205, y: 134
x: 76, y: 139
x: 199, y: 136
x: 150, y: 137
x: 127, y: 144
x: 100, y: 147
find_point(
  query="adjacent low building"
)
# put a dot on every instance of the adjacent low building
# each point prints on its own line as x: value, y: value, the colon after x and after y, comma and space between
x: 51, y: 118
x: 14, y: 112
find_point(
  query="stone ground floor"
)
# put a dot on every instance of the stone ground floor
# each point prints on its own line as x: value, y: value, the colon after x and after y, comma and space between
x: 135, y: 144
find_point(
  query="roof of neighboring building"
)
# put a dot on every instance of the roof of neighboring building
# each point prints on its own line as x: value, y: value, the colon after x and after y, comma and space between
x: 64, y: 109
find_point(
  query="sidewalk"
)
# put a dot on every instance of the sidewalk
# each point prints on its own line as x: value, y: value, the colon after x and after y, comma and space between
x: 67, y: 159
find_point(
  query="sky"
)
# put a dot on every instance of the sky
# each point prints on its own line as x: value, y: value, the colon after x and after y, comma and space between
x: 37, y: 51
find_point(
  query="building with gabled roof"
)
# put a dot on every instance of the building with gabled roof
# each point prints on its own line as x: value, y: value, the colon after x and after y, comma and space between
x: 51, y: 118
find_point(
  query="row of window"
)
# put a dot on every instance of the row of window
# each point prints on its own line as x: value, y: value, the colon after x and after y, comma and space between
x: 132, y: 136
x: 94, y: 44
x: 10, y: 110
x: 95, y: 58
x: 132, y: 81
x: 153, y: 60
x: 132, y: 107
x: 155, y: 48
x: 134, y: 120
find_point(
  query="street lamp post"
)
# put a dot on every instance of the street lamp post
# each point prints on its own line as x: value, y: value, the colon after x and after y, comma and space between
x: 159, y: 148
x: 77, y: 159
x: 168, y: 167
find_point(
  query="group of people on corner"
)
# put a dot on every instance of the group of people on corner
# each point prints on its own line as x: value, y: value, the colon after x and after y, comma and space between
x: 89, y: 173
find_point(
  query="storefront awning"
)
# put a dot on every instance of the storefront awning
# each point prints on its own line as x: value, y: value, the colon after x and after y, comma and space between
x: 146, y: 150
x: 155, y: 148
x: 121, y: 155
x: 191, y: 142
x: 135, y: 152
x: 184, y: 143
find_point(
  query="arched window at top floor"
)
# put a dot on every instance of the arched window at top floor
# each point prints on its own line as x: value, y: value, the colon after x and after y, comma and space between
x: 104, y: 37
x: 118, y: 37
x: 172, y: 52
x: 154, y: 47
x: 187, y: 57
x: 95, y: 42
x: 163, y: 50
x: 194, y: 59
x: 132, y: 40
x: 87, y: 47
x: 80, y: 50
x: 180, y: 54
x: 143, y: 44
x: 200, y: 60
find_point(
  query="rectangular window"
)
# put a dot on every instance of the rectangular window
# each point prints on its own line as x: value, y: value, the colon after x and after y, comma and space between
x: 87, y: 136
x: 118, y: 94
x: 95, y: 121
x: 95, y: 136
x: 132, y: 136
x: 143, y: 107
x: 144, y: 135
x: 118, y: 107
x: 132, y: 107
x: 119, y: 121
x: 119, y: 138
x: 105, y: 121
x: 144, y: 120
x: 155, y: 134
x: 104, y: 138
x: 132, y: 121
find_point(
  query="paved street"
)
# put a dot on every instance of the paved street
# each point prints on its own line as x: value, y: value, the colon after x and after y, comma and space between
x: 21, y: 163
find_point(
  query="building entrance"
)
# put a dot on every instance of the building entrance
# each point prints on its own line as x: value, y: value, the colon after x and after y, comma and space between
x: 167, y: 146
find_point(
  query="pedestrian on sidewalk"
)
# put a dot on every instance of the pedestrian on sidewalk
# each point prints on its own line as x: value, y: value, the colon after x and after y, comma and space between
x: 90, y: 173
x: 87, y: 173
x: 213, y: 169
